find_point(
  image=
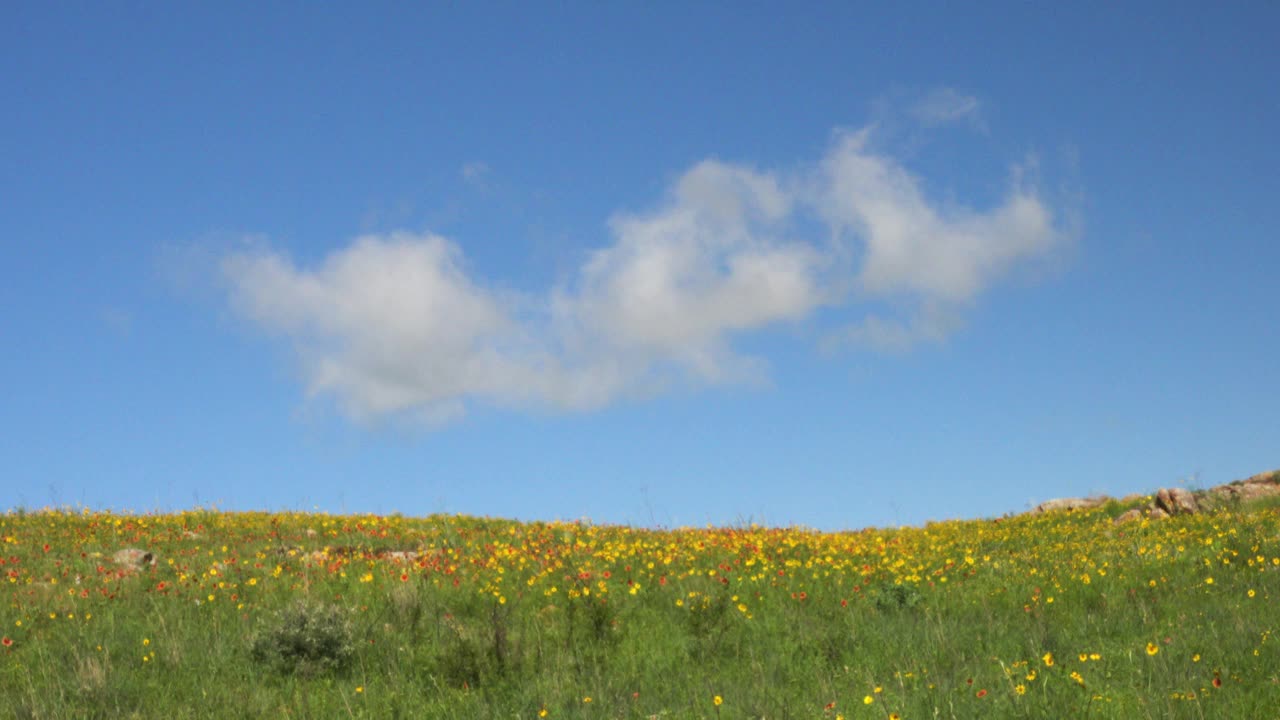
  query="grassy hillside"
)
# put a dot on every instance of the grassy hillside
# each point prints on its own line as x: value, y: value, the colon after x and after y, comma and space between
x: 267, y: 615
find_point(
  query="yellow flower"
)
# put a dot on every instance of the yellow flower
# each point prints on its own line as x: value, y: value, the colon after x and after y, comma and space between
x: 1208, y: 581
x: 586, y: 699
x: 1195, y: 658
x: 1251, y: 592
x: 359, y: 688
x: 542, y: 712
x: 868, y: 700
x: 1021, y: 689
x: 717, y: 700
x: 146, y: 642
x: 1152, y: 649
x: 1048, y: 659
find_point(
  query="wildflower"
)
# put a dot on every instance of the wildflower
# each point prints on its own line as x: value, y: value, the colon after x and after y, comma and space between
x: 868, y: 700
x: 1208, y: 581
x: 6, y: 641
x: 359, y: 688
x: 1251, y: 592
x: 1152, y: 648
x: 981, y: 693
x: 586, y: 699
x: 146, y: 642
x: 542, y: 712
x: 1021, y: 689
x: 1217, y: 681
x: 1048, y: 659
x: 1195, y: 658
x: 717, y: 700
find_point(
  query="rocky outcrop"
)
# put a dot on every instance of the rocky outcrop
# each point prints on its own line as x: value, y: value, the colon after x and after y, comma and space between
x: 1171, y: 502
x: 1262, y: 485
x: 1068, y: 504
x: 1179, y: 501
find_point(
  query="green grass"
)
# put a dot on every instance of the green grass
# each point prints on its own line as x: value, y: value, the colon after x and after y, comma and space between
x: 241, y: 617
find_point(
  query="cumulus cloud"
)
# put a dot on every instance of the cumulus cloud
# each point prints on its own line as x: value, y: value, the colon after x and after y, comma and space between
x: 395, y: 325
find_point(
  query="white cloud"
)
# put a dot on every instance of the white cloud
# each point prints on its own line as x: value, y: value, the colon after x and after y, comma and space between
x: 394, y: 325
x: 945, y: 106
x: 913, y: 246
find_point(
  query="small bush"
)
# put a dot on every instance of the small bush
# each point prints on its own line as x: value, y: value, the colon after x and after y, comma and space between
x: 306, y: 639
x: 897, y: 597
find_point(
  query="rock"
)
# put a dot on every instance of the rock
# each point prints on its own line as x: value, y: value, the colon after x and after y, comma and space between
x: 311, y: 532
x: 1262, y: 485
x: 134, y: 558
x: 1157, y: 513
x: 1177, y: 501
x: 1129, y: 515
x: 1068, y: 504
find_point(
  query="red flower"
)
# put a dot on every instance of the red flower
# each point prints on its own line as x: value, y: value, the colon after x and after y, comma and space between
x: 1217, y: 681
x: 982, y: 693
x: 7, y: 642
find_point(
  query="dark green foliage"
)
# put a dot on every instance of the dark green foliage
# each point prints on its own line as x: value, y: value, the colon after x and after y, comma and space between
x: 306, y: 639
x: 891, y: 598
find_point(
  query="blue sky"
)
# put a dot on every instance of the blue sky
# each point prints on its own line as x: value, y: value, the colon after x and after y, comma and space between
x: 661, y: 264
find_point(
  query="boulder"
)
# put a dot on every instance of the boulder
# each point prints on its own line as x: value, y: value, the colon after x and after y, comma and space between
x: 1177, y: 501
x: 134, y: 558
x: 1130, y: 515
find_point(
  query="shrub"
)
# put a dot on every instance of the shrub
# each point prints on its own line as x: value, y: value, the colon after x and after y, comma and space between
x: 306, y: 639
x: 890, y: 597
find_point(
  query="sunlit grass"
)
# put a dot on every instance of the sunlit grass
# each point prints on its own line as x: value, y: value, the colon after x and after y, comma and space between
x: 1056, y: 615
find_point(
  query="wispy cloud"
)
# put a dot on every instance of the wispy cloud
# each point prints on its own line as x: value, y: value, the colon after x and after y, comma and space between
x: 945, y: 106
x: 475, y: 173
x: 396, y: 325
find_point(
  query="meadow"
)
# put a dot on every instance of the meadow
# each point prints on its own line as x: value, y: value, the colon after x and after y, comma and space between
x: 253, y: 615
